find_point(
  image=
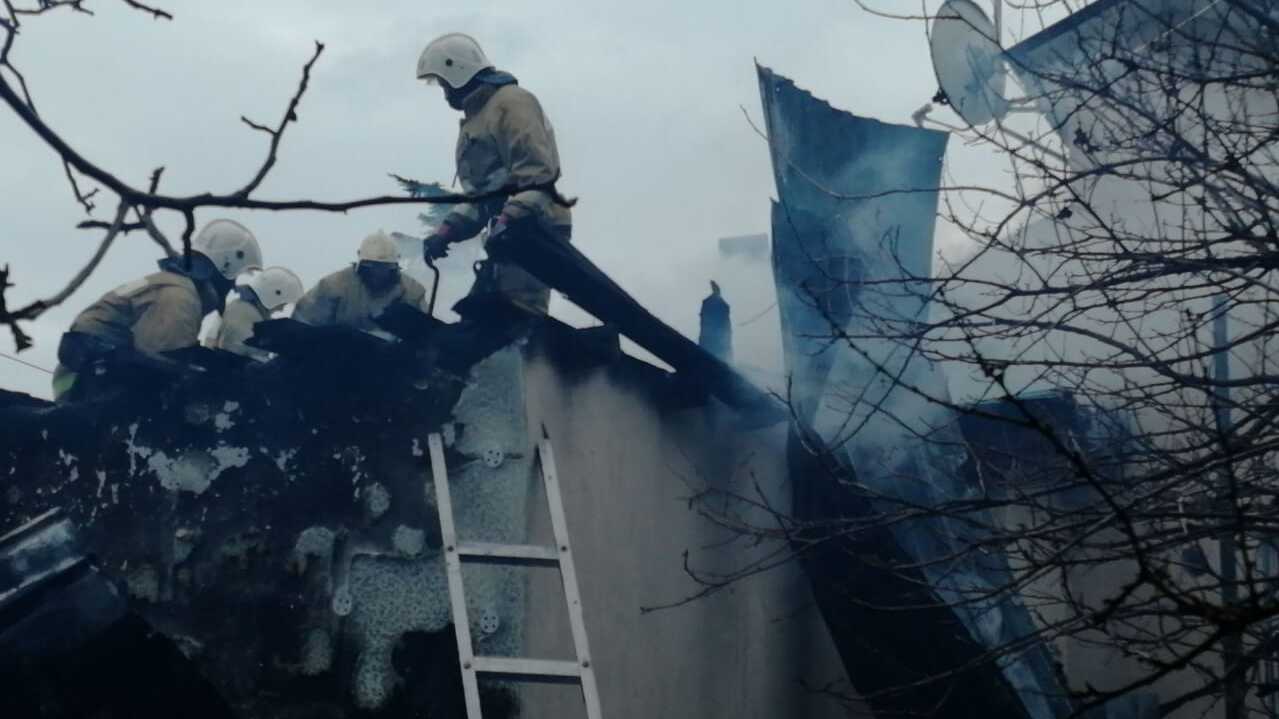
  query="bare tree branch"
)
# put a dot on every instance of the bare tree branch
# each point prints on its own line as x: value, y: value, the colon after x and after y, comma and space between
x: 277, y: 134
x: 156, y: 13
x: 34, y: 309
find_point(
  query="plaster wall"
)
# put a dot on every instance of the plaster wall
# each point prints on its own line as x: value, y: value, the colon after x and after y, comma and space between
x: 638, y: 484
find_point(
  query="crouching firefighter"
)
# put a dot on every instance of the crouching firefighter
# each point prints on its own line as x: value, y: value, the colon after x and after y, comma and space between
x: 353, y: 296
x: 154, y: 314
x: 505, y: 144
x: 257, y: 296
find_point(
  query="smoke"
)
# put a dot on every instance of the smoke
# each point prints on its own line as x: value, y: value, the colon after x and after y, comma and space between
x: 675, y: 296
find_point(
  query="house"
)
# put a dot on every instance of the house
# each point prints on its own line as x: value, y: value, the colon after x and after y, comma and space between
x: 277, y: 524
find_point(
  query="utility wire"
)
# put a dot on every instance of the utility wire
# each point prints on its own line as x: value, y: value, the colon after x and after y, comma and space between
x: 24, y: 362
x: 1180, y: 25
x: 757, y: 317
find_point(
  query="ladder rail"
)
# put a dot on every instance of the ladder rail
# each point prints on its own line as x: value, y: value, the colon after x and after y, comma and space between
x: 568, y: 575
x: 521, y: 669
x: 453, y: 565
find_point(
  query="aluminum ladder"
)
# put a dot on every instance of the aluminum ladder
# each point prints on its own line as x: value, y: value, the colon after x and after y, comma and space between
x: 515, y: 669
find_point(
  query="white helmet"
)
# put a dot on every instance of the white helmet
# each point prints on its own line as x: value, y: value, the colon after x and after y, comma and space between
x: 276, y: 287
x: 230, y: 245
x: 452, y: 59
x: 377, y: 247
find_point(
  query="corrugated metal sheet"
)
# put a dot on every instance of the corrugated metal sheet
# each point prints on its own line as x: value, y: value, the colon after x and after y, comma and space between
x: 852, y: 249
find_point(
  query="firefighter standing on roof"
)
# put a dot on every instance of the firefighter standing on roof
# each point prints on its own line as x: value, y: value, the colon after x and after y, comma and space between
x: 505, y: 143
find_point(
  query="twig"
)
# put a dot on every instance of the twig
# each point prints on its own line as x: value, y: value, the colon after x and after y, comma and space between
x: 83, y: 198
x: 125, y: 229
x: 154, y: 233
x: 48, y: 5
x: 188, y: 217
x: 39, y: 307
x: 144, y: 216
x: 21, y: 339
x: 290, y: 115
x: 156, y: 13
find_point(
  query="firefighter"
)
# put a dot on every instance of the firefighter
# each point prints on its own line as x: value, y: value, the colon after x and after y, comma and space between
x: 154, y: 314
x: 352, y: 297
x: 257, y: 297
x: 505, y: 144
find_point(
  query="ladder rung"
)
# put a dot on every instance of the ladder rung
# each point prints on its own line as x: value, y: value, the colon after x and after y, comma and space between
x: 539, y: 670
x: 507, y: 553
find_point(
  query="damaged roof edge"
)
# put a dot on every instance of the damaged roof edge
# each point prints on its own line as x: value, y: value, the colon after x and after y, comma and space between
x: 565, y: 268
x: 1065, y: 25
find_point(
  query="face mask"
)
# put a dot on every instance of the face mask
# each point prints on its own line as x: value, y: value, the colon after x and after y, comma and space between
x: 455, y: 98
x: 378, y: 276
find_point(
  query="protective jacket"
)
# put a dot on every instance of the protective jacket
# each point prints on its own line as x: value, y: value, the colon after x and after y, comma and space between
x: 343, y: 299
x: 238, y: 320
x: 506, y: 141
x: 157, y: 313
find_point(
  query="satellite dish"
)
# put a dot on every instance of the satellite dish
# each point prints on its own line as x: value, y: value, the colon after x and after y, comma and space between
x: 968, y: 62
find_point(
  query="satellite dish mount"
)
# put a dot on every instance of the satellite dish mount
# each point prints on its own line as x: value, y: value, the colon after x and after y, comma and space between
x: 972, y: 70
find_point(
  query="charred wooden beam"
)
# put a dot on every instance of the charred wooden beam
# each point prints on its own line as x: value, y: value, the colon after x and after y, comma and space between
x: 563, y: 267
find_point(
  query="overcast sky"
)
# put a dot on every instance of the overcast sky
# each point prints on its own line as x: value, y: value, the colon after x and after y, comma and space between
x: 645, y: 97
